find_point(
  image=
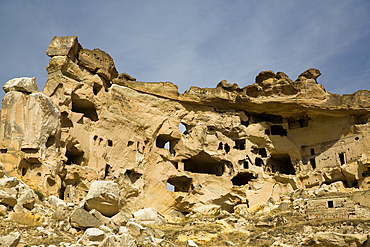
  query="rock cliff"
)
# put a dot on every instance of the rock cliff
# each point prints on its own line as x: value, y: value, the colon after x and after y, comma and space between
x: 223, y: 149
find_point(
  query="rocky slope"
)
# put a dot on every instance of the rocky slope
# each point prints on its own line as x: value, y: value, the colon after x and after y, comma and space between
x: 127, y: 163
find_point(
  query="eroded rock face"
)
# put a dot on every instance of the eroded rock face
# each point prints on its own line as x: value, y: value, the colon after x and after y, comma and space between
x: 223, y: 146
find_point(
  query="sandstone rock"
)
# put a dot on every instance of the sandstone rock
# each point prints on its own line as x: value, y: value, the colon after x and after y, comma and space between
x: 23, y: 84
x: 99, y: 216
x: 284, y: 206
x: 256, y: 208
x: 207, y: 210
x: 91, y: 235
x: 149, y: 216
x: 127, y: 77
x: 28, y: 219
x: 119, y: 219
x: 242, y: 209
x: 56, y: 202
x: 146, y: 241
x: 134, y: 228
x: 8, y: 182
x: 120, y: 240
x: 7, y: 199
x: 98, y: 61
x: 191, y: 243
x: 26, y: 199
x: 335, y: 239
x: 3, y: 210
x: 80, y: 218
x: 280, y: 244
x: 63, y: 46
x: 2, y: 170
x: 309, y: 74
x: 222, y: 146
x: 104, y: 196
x: 11, y: 240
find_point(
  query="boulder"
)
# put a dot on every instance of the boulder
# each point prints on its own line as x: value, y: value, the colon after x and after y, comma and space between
x: 27, y: 122
x: 207, y: 210
x: 28, y: 219
x: 124, y: 239
x: 3, y: 210
x: 334, y: 239
x: 23, y: 84
x: 191, y: 243
x: 80, y: 218
x: 256, y: 208
x: 242, y: 209
x: 119, y: 219
x: 10, y: 240
x: 99, y: 216
x: 103, y: 196
x: 8, y: 182
x: 26, y: 198
x: 91, y: 235
x: 7, y: 199
x: 99, y: 62
x: 149, y: 216
x: 134, y: 228
x: 63, y: 46
x: 56, y: 202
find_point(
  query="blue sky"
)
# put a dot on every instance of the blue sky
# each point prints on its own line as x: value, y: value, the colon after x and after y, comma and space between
x: 196, y: 43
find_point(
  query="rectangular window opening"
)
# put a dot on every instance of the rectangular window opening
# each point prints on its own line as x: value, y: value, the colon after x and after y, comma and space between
x: 342, y: 158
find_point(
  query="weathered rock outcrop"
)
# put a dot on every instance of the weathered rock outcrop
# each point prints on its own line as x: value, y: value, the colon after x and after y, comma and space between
x: 223, y: 146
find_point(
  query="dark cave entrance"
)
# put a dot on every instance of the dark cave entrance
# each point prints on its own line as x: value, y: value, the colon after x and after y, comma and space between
x: 242, y: 178
x: 74, y: 157
x: 204, y: 163
x: 281, y: 163
x: 181, y: 184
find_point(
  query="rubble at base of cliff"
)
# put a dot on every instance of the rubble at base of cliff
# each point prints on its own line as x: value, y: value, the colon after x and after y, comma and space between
x: 99, y: 158
x: 52, y: 222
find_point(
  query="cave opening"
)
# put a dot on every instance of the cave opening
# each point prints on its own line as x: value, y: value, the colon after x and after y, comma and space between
x: 181, y: 183
x: 183, y: 128
x: 107, y: 171
x: 204, y: 163
x: 96, y: 88
x: 74, y: 157
x: 243, y: 178
x: 167, y: 142
x: 313, y: 163
x: 258, y: 162
x: 220, y: 146
x: 132, y: 175
x: 85, y: 107
x: 342, y: 158
x: 278, y: 130
x: 50, y: 141
x: 227, y: 148
x: 240, y: 144
x: 246, y: 164
x: 281, y: 163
